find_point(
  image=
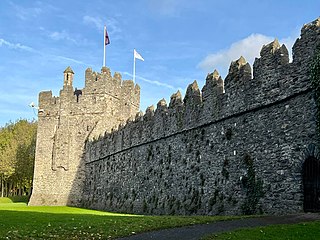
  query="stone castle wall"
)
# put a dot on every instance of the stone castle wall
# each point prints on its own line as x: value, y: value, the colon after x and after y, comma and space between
x: 231, y: 148
x: 66, y: 122
x: 235, y: 146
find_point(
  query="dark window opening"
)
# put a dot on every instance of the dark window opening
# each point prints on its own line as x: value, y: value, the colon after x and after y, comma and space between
x: 77, y: 92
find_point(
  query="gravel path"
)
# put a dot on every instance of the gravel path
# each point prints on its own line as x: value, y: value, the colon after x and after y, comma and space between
x: 197, y: 231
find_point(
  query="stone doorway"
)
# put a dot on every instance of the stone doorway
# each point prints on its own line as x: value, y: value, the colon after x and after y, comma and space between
x: 311, y: 183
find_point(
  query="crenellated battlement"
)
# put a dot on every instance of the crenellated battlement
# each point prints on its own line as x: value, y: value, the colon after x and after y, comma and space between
x: 189, y: 156
x: 243, y: 90
x: 100, y: 88
x: 101, y: 82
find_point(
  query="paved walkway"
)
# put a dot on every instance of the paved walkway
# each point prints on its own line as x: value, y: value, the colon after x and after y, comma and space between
x: 197, y: 231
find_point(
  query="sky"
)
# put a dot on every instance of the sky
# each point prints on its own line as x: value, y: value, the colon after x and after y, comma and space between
x: 180, y: 40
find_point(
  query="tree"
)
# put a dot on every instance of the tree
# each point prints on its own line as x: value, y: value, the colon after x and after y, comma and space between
x: 25, y: 133
x: 6, y: 155
x: 17, y: 153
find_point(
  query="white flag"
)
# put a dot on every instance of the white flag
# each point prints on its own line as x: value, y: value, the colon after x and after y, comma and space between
x: 137, y: 55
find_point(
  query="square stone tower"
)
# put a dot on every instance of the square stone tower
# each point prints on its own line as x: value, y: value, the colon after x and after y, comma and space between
x: 64, y: 125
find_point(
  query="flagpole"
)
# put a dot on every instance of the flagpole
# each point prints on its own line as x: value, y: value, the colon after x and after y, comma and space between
x: 134, y: 67
x: 104, y: 46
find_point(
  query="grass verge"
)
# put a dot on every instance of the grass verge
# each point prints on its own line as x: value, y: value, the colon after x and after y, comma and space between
x: 300, y: 231
x: 14, y: 199
x: 18, y: 221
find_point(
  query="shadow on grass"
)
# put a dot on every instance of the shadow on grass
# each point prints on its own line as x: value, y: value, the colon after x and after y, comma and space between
x: 14, y: 199
x: 15, y: 224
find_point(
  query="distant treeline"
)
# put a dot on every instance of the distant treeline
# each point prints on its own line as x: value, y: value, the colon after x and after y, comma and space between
x: 17, y: 154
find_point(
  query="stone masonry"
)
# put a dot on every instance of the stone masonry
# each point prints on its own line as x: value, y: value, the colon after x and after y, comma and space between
x: 236, y: 146
x: 66, y: 122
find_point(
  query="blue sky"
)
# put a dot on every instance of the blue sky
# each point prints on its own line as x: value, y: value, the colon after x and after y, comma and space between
x: 180, y: 40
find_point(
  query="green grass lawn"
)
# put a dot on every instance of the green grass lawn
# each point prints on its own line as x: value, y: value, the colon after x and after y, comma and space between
x: 301, y: 231
x: 18, y: 221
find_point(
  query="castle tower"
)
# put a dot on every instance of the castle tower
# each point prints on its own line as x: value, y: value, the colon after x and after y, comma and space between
x: 64, y: 125
x: 68, y: 77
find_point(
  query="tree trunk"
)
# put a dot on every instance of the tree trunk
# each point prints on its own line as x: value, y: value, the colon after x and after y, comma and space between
x: 5, y: 188
x: 10, y: 188
x: 21, y: 193
x: 2, y: 186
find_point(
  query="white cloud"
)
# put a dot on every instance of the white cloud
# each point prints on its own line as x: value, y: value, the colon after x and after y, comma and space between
x: 248, y: 47
x: 154, y: 82
x: 15, y: 45
x: 96, y: 21
x: 113, y: 26
x: 66, y: 60
x: 25, y: 13
x: 63, y: 35
x: 168, y: 7
x: 57, y: 58
x: 111, y: 23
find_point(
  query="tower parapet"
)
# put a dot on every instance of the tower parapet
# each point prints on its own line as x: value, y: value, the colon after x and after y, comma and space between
x: 67, y: 121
